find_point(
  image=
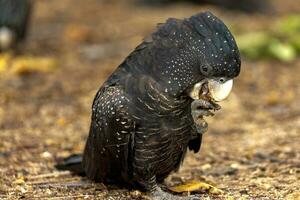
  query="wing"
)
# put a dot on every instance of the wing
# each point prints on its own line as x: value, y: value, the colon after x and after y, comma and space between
x: 108, y: 146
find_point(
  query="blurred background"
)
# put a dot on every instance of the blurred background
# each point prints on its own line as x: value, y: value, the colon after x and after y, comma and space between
x: 48, y: 82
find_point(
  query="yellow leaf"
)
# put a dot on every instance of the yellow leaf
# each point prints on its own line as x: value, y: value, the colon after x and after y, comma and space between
x: 4, y: 62
x: 24, y: 65
x: 196, y: 186
x: 19, y: 181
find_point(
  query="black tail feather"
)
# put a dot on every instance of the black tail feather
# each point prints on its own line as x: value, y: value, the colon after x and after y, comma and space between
x: 72, y: 163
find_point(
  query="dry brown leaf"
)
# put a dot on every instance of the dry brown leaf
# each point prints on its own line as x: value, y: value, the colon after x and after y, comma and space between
x: 77, y: 33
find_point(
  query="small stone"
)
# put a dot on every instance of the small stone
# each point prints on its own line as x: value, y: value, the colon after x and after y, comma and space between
x: 46, y: 154
x: 135, y: 193
x: 206, y: 167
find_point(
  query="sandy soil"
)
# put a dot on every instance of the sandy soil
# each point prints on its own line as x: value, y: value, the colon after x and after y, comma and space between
x: 251, y: 150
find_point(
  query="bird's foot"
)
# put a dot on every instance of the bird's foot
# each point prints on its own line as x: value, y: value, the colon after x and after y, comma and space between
x: 199, y: 109
x: 201, y: 104
x: 159, y: 194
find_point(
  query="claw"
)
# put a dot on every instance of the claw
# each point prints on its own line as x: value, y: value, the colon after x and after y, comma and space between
x: 198, y: 113
x: 200, y: 124
x: 216, y: 106
x: 201, y: 127
x: 202, y: 108
x: 204, y: 104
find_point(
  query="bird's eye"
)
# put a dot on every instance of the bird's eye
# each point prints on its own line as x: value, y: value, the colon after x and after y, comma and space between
x: 222, y: 80
x: 205, y: 69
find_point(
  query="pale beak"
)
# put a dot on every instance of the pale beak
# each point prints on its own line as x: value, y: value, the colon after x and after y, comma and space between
x: 216, y: 90
x: 219, y: 91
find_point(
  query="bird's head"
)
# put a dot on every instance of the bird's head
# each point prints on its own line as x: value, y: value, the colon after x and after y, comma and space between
x: 220, y: 61
x: 200, y: 50
x: 7, y: 38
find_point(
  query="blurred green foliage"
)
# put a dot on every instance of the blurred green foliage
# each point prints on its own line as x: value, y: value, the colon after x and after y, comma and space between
x: 281, y: 42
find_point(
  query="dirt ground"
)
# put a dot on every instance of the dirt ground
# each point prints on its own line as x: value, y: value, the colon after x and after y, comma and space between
x: 251, y: 150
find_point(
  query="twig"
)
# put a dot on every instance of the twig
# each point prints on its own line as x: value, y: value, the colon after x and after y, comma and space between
x: 54, y: 174
x: 64, y: 197
x: 64, y: 185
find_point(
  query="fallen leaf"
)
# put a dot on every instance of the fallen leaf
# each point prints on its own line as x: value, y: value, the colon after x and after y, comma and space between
x: 23, y: 65
x: 77, y: 33
x: 196, y: 186
x: 4, y: 62
x: 19, y: 181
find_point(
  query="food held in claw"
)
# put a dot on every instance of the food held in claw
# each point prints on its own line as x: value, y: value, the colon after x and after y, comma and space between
x: 214, y: 89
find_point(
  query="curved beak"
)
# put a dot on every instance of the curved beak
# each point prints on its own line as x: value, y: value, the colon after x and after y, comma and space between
x: 219, y: 91
x: 216, y: 90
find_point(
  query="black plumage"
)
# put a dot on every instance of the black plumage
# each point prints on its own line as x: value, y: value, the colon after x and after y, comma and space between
x: 141, y: 123
x: 14, y: 16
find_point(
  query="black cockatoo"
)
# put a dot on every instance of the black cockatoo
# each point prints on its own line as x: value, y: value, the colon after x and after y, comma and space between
x: 14, y: 16
x: 150, y: 110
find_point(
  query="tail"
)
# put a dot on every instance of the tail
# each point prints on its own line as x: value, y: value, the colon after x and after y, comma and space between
x: 72, y: 163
